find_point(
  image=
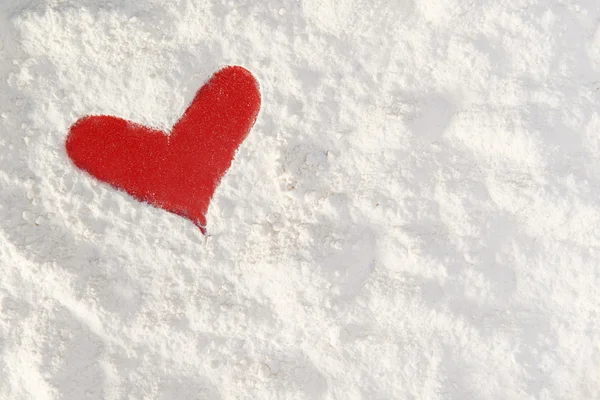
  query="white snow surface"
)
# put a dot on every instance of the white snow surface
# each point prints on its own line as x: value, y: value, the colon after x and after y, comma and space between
x: 415, y: 214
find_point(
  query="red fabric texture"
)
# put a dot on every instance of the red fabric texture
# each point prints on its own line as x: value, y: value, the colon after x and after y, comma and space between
x: 177, y: 172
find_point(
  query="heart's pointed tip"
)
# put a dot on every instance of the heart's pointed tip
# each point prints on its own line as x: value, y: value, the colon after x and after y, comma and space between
x: 201, y: 224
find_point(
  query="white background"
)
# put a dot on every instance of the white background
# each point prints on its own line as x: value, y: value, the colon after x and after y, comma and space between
x: 415, y: 214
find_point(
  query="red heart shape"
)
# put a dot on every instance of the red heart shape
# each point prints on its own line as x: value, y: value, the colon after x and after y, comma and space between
x: 177, y: 172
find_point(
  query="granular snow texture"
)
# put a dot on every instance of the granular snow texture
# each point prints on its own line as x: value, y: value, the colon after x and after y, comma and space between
x: 415, y: 214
